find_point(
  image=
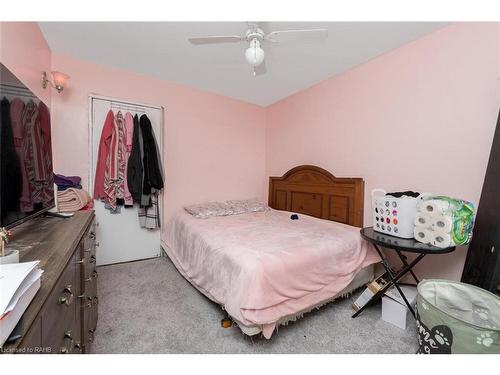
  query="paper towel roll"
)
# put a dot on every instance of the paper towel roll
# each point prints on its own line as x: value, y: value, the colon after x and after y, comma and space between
x: 435, y: 207
x: 442, y: 240
x: 423, y: 235
x: 442, y: 223
x: 422, y: 220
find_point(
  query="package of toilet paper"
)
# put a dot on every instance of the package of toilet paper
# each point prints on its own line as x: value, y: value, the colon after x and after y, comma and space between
x: 456, y: 219
x: 446, y: 221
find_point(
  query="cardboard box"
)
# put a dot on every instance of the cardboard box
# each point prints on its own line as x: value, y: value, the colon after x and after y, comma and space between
x: 394, y: 309
x: 371, y: 288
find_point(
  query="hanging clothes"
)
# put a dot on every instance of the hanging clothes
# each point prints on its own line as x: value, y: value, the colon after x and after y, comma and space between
x: 152, y: 182
x: 149, y: 217
x: 135, y: 167
x: 42, y: 157
x: 102, y: 155
x: 129, y: 131
x: 114, y: 173
x: 19, y: 131
x: 29, y: 117
x: 129, y: 167
x: 11, y: 187
x: 152, y: 176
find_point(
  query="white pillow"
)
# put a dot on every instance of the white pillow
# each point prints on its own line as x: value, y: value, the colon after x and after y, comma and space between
x: 247, y: 205
x: 209, y: 209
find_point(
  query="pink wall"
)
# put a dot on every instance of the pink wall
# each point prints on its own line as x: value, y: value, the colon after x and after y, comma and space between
x: 214, y: 146
x: 421, y: 117
x: 24, y: 51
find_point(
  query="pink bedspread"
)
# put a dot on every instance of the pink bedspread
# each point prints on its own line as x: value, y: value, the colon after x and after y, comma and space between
x: 263, y: 266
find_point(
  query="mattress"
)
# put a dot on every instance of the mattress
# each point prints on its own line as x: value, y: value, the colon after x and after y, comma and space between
x: 263, y: 267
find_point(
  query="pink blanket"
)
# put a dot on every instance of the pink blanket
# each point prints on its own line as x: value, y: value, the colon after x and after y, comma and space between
x: 263, y: 266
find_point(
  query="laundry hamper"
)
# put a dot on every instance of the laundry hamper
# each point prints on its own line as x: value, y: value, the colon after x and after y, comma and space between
x: 454, y: 317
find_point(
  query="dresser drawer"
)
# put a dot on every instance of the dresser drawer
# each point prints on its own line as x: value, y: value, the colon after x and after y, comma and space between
x: 89, y: 251
x: 89, y: 264
x: 89, y: 238
x: 59, y: 311
x: 56, y: 317
x: 90, y: 310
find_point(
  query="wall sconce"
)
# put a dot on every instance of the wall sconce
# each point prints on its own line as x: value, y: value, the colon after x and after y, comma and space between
x: 58, y: 80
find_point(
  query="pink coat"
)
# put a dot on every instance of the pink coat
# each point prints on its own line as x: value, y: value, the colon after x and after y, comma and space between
x: 104, y: 149
x: 129, y: 130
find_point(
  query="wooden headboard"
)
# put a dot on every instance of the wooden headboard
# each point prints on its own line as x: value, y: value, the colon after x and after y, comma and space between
x: 314, y: 191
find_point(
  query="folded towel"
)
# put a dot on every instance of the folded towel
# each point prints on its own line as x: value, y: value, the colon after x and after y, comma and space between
x: 72, y: 199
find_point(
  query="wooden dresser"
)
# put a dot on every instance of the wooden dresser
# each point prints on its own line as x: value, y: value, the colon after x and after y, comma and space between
x: 62, y: 318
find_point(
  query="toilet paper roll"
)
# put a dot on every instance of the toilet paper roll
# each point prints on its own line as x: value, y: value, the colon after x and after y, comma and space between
x: 422, y: 220
x: 434, y: 207
x: 423, y: 235
x: 442, y: 240
x: 442, y: 223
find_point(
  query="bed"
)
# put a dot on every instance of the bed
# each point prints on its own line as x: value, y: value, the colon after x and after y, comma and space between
x: 265, y: 269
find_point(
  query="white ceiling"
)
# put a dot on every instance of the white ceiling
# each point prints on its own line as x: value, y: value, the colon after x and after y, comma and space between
x: 161, y: 49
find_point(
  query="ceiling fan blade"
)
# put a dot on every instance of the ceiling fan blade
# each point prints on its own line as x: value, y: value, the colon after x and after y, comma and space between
x: 261, y: 69
x: 286, y: 35
x: 216, y: 39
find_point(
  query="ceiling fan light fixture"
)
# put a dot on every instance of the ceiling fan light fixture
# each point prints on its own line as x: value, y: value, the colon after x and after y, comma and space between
x: 254, y: 54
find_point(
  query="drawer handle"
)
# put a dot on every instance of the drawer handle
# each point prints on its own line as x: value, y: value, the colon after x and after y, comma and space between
x: 63, y: 300
x: 92, y: 236
x: 80, y: 261
x: 92, y: 259
x: 78, y: 347
x: 88, y: 279
x: 68, y: 335
x: 97, y: 244
x: 96, y: 301
x: 95, y: 274
x: 87, y: 250
x: 91, y: 335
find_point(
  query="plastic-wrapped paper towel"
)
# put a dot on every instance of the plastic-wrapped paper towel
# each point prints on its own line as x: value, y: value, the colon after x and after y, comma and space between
x: 448, y: 221
x: 442, y: 223
x: 442, y: 239
x: 423, y: 234
x: 422, y: 220
x: 435, y: 206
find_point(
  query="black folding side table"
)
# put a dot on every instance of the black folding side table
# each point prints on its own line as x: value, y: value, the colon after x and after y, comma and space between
x: 399, y: 245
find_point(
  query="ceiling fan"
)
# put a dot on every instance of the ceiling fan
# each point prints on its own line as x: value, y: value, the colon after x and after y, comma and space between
x: 254, y: 35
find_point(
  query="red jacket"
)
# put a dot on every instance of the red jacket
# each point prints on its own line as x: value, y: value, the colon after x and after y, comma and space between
x: 104, y: 145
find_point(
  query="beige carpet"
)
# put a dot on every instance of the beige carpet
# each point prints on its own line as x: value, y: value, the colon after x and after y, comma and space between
x: 148, y: 307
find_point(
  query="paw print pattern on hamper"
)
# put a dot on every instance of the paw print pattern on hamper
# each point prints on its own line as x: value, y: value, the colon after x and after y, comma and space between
x: 485, y: 339
x: 437, y: 340
x: 441, y: 338
x: 482, y: 313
